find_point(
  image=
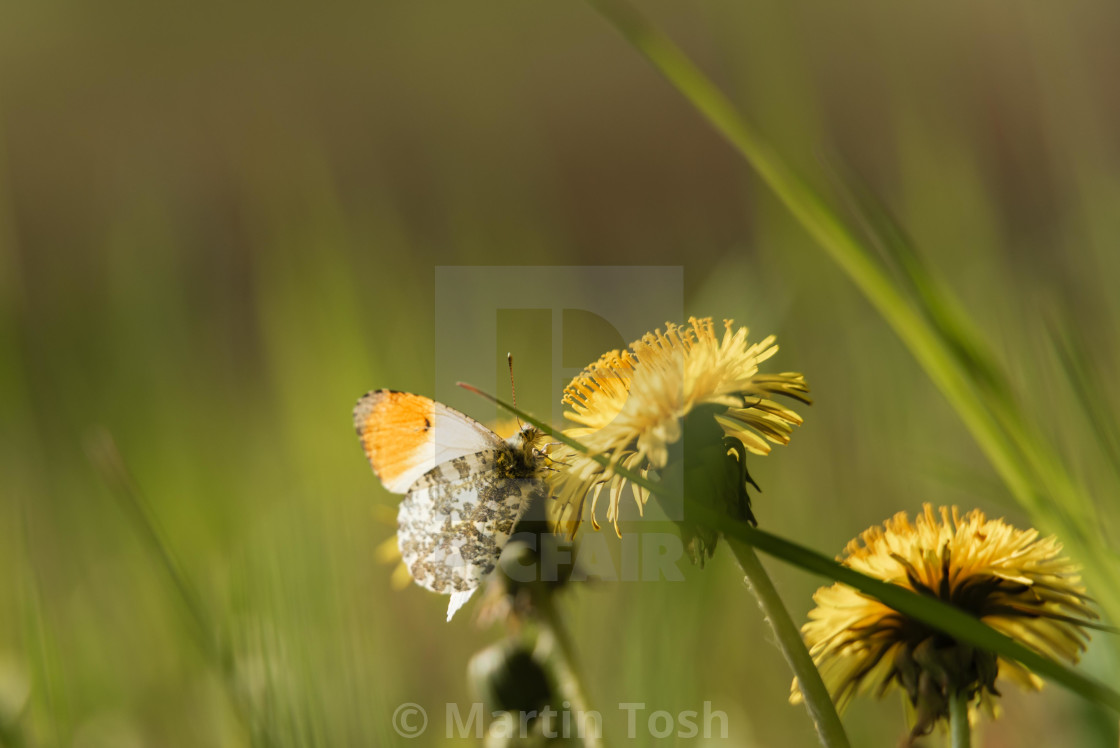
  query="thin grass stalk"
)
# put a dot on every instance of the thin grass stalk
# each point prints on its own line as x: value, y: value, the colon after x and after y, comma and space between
x: 1089, y: 391
x: 102, y: 450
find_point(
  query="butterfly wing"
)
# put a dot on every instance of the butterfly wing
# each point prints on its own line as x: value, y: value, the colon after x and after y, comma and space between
x: 456, y: 519
x: 404, y: 436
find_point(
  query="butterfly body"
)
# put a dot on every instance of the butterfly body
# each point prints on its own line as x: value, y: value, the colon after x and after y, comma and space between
x: 465, y: 487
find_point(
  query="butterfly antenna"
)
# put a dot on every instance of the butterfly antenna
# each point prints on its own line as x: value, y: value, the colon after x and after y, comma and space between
x: 513, y: 388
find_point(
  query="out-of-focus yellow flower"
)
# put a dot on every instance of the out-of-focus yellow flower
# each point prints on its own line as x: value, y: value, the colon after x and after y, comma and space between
x: 1010, y: 579
x: 388, y: 552
x: 630, y: 406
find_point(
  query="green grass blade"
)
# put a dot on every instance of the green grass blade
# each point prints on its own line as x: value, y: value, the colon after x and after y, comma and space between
x: 950, y: 322
x: 102, y: 450
x: 1073, y: 510
x: 947, y: 351
x: 1089, y: 391
x: 103, y: 453
x: 952, y: 621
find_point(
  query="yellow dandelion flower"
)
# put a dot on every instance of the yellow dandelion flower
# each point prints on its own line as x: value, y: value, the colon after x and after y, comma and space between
x: 1012, y: 580
x: 630, y: 405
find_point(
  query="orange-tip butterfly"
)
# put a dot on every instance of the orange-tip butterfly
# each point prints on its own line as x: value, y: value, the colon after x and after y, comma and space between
x: 465, y: 487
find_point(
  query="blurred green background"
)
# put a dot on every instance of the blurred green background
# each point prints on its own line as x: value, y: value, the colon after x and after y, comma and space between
x: 219, y: 225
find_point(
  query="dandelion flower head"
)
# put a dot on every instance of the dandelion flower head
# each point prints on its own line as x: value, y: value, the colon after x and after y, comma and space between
x: 630, y: 405
x: 1011, y: 579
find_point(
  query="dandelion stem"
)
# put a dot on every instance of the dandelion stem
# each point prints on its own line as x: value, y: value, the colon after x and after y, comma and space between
x: 561, y: 659
x: 958, y: 720
x: 817, y: 701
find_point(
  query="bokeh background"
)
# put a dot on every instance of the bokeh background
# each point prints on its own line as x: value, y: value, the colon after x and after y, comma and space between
x: 219, y: 225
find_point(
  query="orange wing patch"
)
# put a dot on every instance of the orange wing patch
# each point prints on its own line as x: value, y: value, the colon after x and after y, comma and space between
x: 396, y: 433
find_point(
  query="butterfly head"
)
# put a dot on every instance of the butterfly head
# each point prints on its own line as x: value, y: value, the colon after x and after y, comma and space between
x: 527, y: 457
